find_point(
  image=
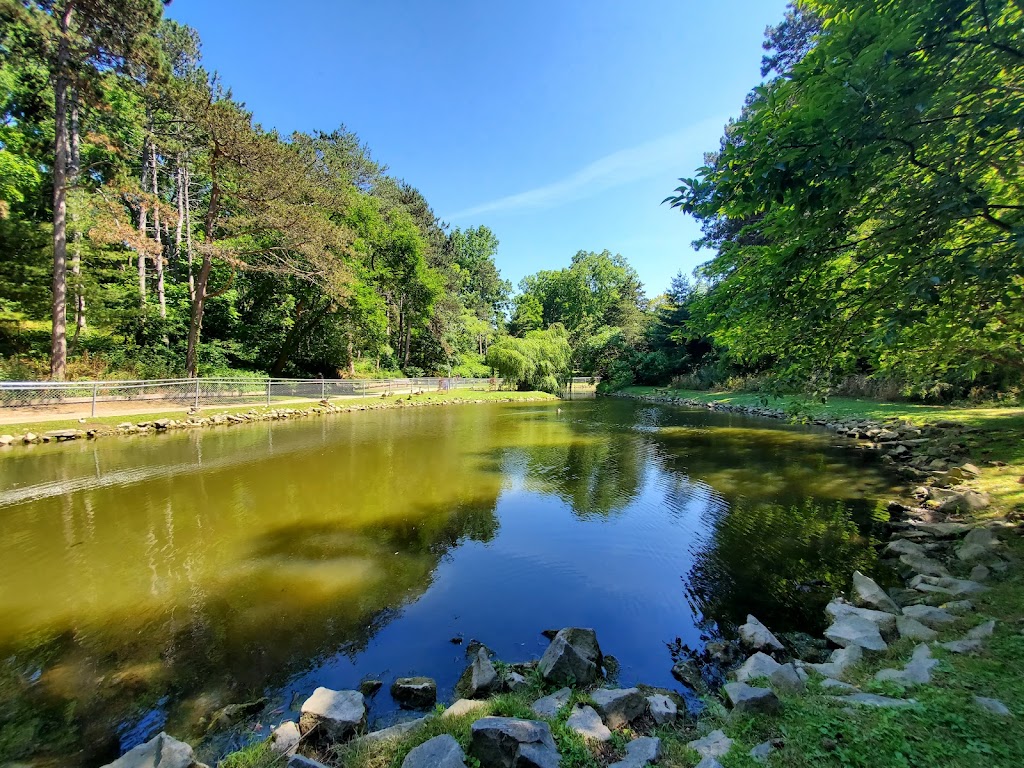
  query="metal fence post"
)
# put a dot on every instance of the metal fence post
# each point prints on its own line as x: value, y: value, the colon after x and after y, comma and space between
x: 268, y: 393
x: 197, y: 393
x: 323, y: 389
x: 94, y: 386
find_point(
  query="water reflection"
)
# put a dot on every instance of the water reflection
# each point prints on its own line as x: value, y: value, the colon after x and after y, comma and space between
x: 148, y: 581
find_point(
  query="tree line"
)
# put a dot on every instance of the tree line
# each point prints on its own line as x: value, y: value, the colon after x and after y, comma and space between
x: 149, y: 225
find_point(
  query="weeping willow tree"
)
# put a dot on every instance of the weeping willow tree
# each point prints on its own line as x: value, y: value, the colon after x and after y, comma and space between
x: 540, y: 360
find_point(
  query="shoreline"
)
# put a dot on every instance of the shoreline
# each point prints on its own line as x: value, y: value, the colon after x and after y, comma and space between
x: 158, y: 422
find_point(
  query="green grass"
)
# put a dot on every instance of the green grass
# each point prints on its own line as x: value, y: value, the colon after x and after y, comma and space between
x: 997, y: 436
x: 107, y: 423
x: 255, y: 756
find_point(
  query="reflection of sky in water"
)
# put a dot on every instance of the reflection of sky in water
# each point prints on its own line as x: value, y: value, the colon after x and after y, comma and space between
x: 204, y: 566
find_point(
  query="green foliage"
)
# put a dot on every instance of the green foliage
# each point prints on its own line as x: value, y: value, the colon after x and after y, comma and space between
x: 867, y: 206
x: 538, y: 361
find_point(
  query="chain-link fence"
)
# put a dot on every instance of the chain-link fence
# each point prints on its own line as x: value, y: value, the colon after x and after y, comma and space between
x: 217, y: 391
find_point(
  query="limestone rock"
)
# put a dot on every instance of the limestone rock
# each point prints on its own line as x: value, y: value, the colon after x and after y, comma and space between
x: 640, y: 752
x: 516, y: 682
x: 929, y: 615
x: 284, y: 739
x: 958, y: 607
x: 586, y: 722
x: 994, y: 706
x: 688, y: 673
x: 831, y: 684
x: 787, y: 678
x: 335, y: 715
x: 549, y: 705
x: 968, y: 501
x: 761, y: 752
x: 370, y: 687
x: 619, y: 706
x: 439, y: 752
x: 839, y: 663
x: 898, y: 547
x: 874, y: 700
x: 758, y: 637
x: 162, y: 751
x: 925, y: 565
x: 854, y: 630
x: 480, y: 678
x: 708, y: 762
x: 391, y: 733
x: 301, y: 761
x: 914, y: 630
x: 506, y: 742
x: 867, y: 594
x: 747, y: 700
x: 715, y: 744
x: 947, y: 586
x: 980, y: 573
x: 972, y: 641
x: 414, y: 692
x: 917, y: 671
x: 758, y: 665
x: 886, y: 622
x: 573, y: 658
x: 465, y: 706
x: 662, y: 709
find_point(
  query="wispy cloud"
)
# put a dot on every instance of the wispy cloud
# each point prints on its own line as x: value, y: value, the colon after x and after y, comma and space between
x: 626, y: 165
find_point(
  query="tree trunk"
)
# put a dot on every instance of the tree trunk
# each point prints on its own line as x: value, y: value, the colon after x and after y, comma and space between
x: 58, y: 337
x: 186, y: 181
x: 199, y: 291
x: 180, y: 198
x: 143, y: 221
x: 76, y: 253
x: 305, y: 321
x: 159, y: 260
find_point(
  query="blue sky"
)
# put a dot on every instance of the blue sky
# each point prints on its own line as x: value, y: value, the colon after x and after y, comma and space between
x: 561, y: 125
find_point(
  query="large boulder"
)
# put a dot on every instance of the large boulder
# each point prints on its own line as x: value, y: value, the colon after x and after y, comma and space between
x: 758, y: 637
x: 747, y: 700
x: 867, y: 594
x: 162, y: 751
x: 620, y: 706
x: 573, y: 658
x: 662, y: 709
x: 587, y: 723
x: 850, y: 630
x: 968, y: 501
x: 414, y: 692
x: 284, y: 739
x: 548, y: 706
x: 929, y: 615
x: 640, y: 752
x: 758, y: 665
x: 333, y: 715
x: 917, y: 671
x: 439, y: 752
x: 715, y: 744
x: 480, y: 678
x: 507, y: 742
x: 886, y: 622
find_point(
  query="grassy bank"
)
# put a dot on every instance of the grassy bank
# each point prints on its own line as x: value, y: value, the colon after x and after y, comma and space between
x: 997, y: 433
x: 108, y: 423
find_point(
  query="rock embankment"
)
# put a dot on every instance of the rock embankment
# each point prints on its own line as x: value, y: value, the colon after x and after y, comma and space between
x: 192, y: 419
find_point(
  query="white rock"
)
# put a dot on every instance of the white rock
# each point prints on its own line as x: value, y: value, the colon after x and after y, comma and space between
x: 758, y: 665
x: 662, y: 709
x: 758, y: 637
x: 914, y: 630
x: 715, y: 744
x: 855, y: 630
x: 586, y: 722
x: 867, y: 594
x: 337, y: 715
x: 284, y: 739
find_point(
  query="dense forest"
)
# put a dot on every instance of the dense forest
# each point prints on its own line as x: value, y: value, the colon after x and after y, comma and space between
x: 149, y: 227
x: 863, y: 217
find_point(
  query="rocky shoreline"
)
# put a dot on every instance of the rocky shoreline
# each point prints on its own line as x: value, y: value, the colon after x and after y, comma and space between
x: 944, y: 561
x: 194, y: 421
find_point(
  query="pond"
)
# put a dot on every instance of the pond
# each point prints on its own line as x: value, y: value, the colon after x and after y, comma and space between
x: 147, y: 581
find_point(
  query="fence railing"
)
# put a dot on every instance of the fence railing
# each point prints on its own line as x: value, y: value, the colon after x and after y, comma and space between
x: 199, y: 392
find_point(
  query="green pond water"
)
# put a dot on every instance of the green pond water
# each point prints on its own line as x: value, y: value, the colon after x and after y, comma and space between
x: 147, y: 581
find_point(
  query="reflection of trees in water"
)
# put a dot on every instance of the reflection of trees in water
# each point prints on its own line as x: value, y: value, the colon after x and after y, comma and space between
x: 780, y: 563
x: 594, y: 477
x: 309, y: 590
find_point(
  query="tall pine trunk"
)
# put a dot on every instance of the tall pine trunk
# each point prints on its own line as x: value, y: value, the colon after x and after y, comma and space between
x: 159, y: 258
x: 58, y: 336
x: 199, y: 292
x: 76, y: 252
x: 143, y: 221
